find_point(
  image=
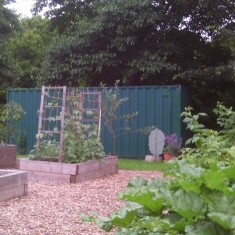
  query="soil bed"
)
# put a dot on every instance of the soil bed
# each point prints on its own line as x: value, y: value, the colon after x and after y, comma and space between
x: 53, y: 208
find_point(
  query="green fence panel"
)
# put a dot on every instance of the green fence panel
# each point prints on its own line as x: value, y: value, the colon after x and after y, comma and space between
x: 30, y: 101
x: 158, y: 106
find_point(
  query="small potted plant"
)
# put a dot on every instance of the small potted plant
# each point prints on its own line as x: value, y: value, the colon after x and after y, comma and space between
x: 172, y: 146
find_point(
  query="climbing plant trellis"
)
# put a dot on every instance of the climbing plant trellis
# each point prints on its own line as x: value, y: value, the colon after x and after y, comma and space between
x: 57, y: 104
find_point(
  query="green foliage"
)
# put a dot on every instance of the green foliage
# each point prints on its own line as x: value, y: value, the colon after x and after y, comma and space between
x: 8, y: 23
x: 64, y: 14
x: 195, y: 202
x: 11, y: 114
x: 27, y: 49
x: 140, y: 42
x: 226, y: 120
x: 111, y: 104
x: 79, y: 147
x: 21, y: 141
x: 198, y: 198
x: 81, y: 141
x: 211, y: 146
x: 48, y: 149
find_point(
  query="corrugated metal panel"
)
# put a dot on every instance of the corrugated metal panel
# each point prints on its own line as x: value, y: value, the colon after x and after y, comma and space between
x: 30, y: 101
x: 158, y: 106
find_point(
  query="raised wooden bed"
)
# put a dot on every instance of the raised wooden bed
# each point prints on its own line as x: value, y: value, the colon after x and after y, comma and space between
x: 13, y: 183
x: 69, y: 173
x: 7, y: 156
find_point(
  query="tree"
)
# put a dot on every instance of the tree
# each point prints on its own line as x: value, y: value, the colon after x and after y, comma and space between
x: 8, y: 23
x: 148, y: 42
x: 138, y: 42
x: 27, y: 49
x: 64, y: 14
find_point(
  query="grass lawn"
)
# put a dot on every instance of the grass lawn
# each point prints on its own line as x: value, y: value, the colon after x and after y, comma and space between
x: 141, y: 165
x: 135, y: 165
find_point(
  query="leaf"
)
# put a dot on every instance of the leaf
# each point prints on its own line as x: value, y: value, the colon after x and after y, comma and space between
x: 146, y: 198
x: 137, y: 182
x: 188, y: 141
x: 187, y: 204
x: 124, y: 217
x: 189, y: 170
x: 176, y: 222
x: 190, y: 186
x: 187, y: 119
x: 195, y: 139
x: 225, y: 220
x: 222, y: 210
x: 230, y: 172
x: 214, y: 179
x: 204, y: 228
x: 202, y: 114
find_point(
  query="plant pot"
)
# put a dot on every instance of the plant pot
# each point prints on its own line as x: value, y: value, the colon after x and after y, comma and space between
x: 168, y: 156
x: 7, y: 156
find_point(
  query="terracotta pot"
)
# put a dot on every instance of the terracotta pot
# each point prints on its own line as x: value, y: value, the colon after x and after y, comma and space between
x: 168, y: 156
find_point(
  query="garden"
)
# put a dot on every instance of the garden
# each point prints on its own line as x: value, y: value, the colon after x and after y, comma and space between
x: 193, y: 193
x: 117, y: 117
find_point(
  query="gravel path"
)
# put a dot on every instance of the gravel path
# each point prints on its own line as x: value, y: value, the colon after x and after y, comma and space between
x: 53, y: 209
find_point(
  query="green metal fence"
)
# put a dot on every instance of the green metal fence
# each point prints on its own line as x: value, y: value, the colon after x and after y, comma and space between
x: 158, y: 106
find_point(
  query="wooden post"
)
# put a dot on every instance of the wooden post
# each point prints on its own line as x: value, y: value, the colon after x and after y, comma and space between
x: 40, y: 117
x: 99, y: 108
x: 62, y: 125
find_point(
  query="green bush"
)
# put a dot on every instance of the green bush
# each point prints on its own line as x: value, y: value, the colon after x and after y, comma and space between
x: 10, y: 114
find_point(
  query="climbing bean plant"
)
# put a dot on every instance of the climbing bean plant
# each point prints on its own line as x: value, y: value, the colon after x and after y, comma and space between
x: 81, y: 140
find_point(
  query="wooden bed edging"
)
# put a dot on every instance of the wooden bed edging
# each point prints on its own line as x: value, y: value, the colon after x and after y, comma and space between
x: 13, y: 183
x: 66, y: 172
x: 7, y: 156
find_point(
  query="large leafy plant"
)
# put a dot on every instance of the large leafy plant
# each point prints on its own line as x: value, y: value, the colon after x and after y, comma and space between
x: 210, y: 146
x: 197, y: 198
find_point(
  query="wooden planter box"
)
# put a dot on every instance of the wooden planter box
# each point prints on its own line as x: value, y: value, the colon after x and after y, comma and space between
x: 7, y: 156
x: 13, y: 183
x: 66, y: 172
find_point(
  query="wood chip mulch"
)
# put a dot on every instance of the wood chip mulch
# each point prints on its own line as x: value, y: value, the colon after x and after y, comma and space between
x: 53, y: 209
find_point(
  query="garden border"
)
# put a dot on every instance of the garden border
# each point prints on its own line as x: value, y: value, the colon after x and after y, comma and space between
x: 13, y: 183
x: 67, y: 172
